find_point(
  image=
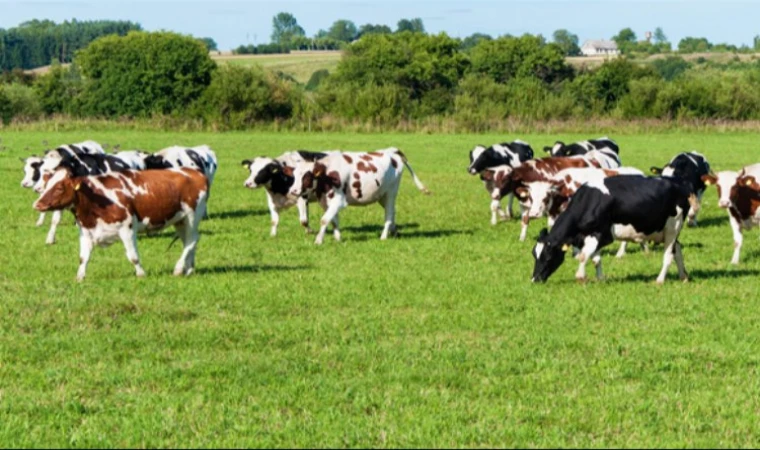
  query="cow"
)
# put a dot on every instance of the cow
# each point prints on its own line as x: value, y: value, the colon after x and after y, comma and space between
x: 644, y: 209
x: 120, y: 204
x: 32, y: 166
x: 201, y: 158
x: 689, y: 166
x: 135, y: 159
x: 494, y: 163
x: 276, y: 176
x: 80, y: 163
x: 739, y: 194
x: 582, y: 147
x: 541, y: 174
x: 353, y: 178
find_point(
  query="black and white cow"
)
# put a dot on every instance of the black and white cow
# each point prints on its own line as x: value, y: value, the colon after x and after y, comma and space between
x: 32, y: 166
x: 135, y: 159
x: 690, y: 167
x: 80, y: 164
x: 275, y: 175
x: 581, y: 148
x: 647, y: 208
x: 200, y: 158
x: 493, y: 164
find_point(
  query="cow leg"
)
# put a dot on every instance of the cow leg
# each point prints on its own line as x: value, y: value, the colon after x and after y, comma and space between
x: 495, y: 210
x: 128, y: 235
x: 41, y: 220
x: 597, y: 260
x: 275, y: 213
x: 53, y: 227
x: 670, y: 232
x: 85, y: 249
x: 590, y: 247
x: 525, y: 222
x: 510, y: 200
x: 336, y: 228
x: 693, y: 212
x: 334, y: 206
x: 679, y: 262
x: 621, y: 251
x: 736, y: 228
x: 389, y: 204
x: 303, y: 213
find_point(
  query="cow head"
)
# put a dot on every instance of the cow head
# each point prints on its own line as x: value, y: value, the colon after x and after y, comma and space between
x: 59, y: 192
x: 52, y: 160
x: 474, y: 156
x: 264, y: 171
x: 549, y: 255
x: 32, y: 166
x: 536, y: 197
x: 155, y: 161
x: 556, y: 150
x: 724, y: 183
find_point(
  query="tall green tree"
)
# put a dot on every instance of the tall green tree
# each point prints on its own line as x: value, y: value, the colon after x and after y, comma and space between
x: 210, y: 44
x: 284, y: 27
x: 567, y: 41
x: 659, y: 36
x: 471, y: 41
x: 413, y: 25
x: 141, y: 74
x: 343, y: 30
x: 374, y: 29
x: 511, y: 57
x: 694, y: 45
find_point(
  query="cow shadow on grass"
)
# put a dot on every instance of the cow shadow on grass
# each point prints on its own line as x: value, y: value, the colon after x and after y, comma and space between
x: 170, y: 234
x: 250, y: 268
x: 715, y: 221
x: 694, y: 275
x: 407, y: 231
x: 237, y: 214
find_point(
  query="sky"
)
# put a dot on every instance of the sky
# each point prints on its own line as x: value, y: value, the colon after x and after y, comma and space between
x: 232, y: 23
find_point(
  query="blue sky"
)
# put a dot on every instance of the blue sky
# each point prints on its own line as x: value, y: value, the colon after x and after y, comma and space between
x: 232, y: 23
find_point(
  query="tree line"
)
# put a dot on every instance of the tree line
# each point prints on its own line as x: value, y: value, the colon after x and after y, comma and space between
x: 382, y: 80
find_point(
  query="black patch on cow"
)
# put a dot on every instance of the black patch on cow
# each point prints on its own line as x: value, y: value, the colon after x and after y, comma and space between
x: 311, y: 156
x: 156, y: 162
x: 273, y: 176
x: 197, y: 160
x: 35, y: 170
x: 491, y: 158
x: 689, y: 167
x: 96, y: 164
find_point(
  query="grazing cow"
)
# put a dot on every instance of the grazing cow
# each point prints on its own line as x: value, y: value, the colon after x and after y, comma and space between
x: 276, y: 176
x: 135, y: 159
x: 351, y: 178
x: 80, y: 164
x: 648, y: 209
x: 120, y: 204
x: 540, y: 174
x: 581, y: 148
x: 739, y: 194
x: 494, y: 163
x: 689, y: 166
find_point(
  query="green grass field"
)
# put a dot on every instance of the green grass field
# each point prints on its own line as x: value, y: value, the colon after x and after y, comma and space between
x: 436, y: 338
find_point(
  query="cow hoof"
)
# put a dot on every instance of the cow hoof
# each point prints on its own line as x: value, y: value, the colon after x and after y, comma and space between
x: 49, y: 242
x: 80, y: 279
x: 581, y: 280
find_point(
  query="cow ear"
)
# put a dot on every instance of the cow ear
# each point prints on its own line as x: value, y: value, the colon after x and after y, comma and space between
x: 708, y: 179
x: 655, y: 170
x: 547, y: 149
x: 246, y: 163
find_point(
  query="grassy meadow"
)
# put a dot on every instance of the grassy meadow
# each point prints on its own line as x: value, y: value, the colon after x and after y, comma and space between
x: 436, y: 338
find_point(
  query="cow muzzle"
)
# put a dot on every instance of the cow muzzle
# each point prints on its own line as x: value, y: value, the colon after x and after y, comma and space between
x: 27, y: 184
x: 472, y: 171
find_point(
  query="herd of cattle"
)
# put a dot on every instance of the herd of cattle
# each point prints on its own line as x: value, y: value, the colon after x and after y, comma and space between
x: 589, y: 198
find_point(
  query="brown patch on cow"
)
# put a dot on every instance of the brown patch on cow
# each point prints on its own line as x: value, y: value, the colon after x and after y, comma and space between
x: 111, y: 182
x: 348, y: 158
x: 500, y: 176
x: 356, y: 175
x: 334, y: 178
x: 394, y: 163
x: 167, y: 191
x: 376, y: 154
x: 487, y: 175
x: 746, y: 201
x: 331, y: 194
x: 365, y: 158
x: 362, y: 167
x: 358, y: 186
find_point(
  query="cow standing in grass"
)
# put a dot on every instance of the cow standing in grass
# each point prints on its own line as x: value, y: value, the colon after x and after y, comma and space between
x: 690, y: 167
x: 116, y: 206
x: 357, y: 179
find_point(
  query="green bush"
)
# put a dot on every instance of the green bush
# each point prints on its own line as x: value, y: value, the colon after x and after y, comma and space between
x: 143, y: 74
x: 316, y: 79
x: 22, y: 103
x: 59, y: 90
x: 511, y: 57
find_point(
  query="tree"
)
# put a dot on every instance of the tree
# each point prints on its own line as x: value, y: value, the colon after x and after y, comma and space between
x: 284, y: 27
x: 343, y: 30
x: 567, y: 41
x: 659, y: 36
x: 413, y: 25
x: 471, y: 41
x: 374, y: 29
x: 510, y: 57
x: 142, y: 74
x: 625, y: 35
x: 694, y: 45
x: 210, y: 44
x: 756, y: 43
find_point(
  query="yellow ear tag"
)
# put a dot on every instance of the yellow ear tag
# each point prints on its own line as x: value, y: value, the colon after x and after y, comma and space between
x: 79, y: 185
x: 275, y: 170
x: 653, y: 171
x: 708, y: 183
x: 748, y: 182
x: 523, y: 194
x: 565, y: 248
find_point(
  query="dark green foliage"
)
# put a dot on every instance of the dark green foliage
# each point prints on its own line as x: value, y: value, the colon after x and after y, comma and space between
x: 36, y: 43
x: 670, y: 67
x: 284, y: 28
x: 510, y: 57
x: 343, y: 31
x: 143, y: 74
x: 241, y: 96
x: 374, y: 29
x: 210, y: 44
x: 413, y: 25
x: 470, y: 42
x: 6, y: 111
x: 59, y: 90
x: 568, y: 42
x: 316, y: 79
x: 261, y: 49
x: 694, y: 45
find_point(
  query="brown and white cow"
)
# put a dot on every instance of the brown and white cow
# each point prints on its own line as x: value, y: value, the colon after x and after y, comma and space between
x: 352, y: 178
x: 537, y: 175
x: 739, y: 194
x: 120, y: 204
x: 32, y: 174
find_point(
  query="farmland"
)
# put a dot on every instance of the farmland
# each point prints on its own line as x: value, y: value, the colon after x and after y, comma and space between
x: 436, y: 338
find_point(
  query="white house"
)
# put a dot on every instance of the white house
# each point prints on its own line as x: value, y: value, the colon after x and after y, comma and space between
x: 599, y: 47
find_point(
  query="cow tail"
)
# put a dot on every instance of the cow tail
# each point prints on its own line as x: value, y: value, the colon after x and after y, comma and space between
x: 417, y: 181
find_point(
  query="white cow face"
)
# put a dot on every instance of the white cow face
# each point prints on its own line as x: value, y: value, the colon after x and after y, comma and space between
x: 723, y: 181
x: 474, y: 155
x: 260, y: 171
x: 31, y: 171
x: 535, y: 197
x: 50, y: 163
x: 305, y: 177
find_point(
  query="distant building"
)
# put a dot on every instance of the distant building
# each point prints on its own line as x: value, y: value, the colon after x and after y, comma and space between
x: 599, y: 47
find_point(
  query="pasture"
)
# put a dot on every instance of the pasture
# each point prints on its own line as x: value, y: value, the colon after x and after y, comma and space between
x: 436, y: 338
